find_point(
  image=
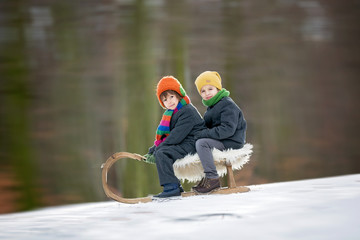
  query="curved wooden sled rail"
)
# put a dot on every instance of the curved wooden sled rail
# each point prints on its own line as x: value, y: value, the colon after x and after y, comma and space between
x: 117, y: 156
x: 105, y: 168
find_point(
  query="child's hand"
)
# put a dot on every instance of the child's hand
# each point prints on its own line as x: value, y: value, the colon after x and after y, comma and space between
x: 149, y: 158
x: 200, y: 134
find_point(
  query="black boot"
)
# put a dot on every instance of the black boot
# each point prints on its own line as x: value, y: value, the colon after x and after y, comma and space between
x: 170, y: 190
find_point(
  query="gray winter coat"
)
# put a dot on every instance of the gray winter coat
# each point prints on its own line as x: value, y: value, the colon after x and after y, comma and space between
x: 226, y: 123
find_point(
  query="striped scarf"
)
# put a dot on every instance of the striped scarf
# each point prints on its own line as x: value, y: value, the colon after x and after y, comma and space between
x: 163, y: 129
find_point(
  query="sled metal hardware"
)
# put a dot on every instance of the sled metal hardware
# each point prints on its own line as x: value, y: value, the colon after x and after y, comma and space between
x: 232, y: 188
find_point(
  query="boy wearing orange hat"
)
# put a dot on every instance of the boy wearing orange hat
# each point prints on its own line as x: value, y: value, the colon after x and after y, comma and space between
x: 226, y: 127
x: 175, y: 135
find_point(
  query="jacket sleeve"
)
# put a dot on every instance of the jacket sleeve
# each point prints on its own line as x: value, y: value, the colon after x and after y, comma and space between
x: 227, y: 128
x: 152, y: 149
x: 182, y: 128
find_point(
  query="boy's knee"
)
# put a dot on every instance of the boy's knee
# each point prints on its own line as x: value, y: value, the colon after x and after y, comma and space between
x: 158, y: 154
x: 201, y: 143
x: 161, y: 155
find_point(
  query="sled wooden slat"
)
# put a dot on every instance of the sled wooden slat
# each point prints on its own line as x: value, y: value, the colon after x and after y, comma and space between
x: 232, y: 188
x: 230, y: 176
x: 225, y: 190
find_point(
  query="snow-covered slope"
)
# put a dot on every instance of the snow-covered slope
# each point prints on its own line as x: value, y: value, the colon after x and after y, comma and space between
x: 326, y: 208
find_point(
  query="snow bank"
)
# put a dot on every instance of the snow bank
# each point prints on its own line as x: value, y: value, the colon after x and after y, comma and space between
x: 326, y: 208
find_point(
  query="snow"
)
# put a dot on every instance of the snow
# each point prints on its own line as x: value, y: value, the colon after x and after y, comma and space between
x: 326, y: 208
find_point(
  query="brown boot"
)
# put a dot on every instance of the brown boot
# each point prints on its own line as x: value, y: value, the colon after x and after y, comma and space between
x: 199, y: 184
x: 209, y: 185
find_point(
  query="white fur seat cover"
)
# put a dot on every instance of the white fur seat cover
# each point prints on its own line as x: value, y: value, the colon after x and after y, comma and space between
x: 190, y: 167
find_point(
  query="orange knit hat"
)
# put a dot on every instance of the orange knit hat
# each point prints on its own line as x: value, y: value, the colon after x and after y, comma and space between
x: 169, y: 83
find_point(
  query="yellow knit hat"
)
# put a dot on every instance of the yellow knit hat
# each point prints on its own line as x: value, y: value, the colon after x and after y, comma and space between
x: 208, y: 78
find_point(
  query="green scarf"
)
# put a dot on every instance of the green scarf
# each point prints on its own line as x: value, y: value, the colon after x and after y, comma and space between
x: 215, y: 99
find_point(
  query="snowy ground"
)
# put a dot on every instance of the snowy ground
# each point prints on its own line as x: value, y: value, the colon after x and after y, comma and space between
x: 327, y: 208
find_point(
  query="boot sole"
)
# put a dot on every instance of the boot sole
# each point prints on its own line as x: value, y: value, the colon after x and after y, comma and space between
x: 206, y: 193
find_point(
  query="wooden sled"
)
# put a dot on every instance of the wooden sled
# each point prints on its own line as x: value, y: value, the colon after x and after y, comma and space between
x: 232, y: 188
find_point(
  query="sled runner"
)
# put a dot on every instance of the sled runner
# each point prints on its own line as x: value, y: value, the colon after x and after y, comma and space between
x: 188, y: 168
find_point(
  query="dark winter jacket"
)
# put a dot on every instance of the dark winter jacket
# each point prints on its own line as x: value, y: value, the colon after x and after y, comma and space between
x: 184, y: 126
x: 225, y: 122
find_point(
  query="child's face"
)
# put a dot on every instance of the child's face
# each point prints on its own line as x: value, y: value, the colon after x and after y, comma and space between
x: 170, y: 101
x: 208, y: 91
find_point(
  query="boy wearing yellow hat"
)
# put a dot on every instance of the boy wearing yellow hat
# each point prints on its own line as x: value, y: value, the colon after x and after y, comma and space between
x: 175, y: 135
x: 226, y: 127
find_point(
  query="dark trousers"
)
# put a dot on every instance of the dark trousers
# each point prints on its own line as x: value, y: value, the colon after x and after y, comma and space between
x: 165, y: 157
